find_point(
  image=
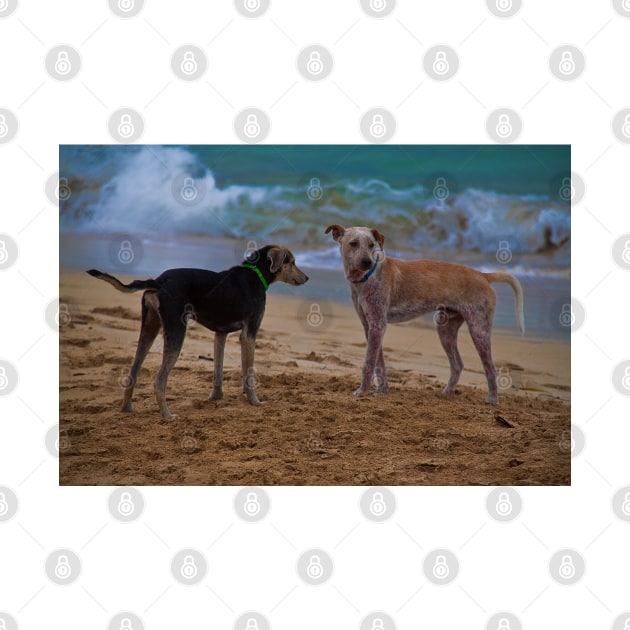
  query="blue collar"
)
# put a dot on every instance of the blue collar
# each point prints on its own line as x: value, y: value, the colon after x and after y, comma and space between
x: 369, y: 273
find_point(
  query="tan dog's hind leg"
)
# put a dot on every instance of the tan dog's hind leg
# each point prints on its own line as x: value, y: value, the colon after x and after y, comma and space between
x: 447, y: 330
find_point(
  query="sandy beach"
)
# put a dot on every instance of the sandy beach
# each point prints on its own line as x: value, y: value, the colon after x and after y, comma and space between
x: 311, y: 430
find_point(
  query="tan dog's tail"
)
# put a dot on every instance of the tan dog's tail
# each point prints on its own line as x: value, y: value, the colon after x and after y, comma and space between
x: 501, y: 276
x: 136, y: 285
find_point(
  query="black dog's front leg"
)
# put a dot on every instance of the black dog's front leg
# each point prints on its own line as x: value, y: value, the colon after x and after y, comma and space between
x: 248, y: 347
x: 217, y: 376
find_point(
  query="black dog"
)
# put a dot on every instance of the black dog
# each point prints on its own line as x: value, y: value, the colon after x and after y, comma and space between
x: 224, y: 301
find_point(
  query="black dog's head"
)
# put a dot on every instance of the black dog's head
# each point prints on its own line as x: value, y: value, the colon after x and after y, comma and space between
x: 279, y: 262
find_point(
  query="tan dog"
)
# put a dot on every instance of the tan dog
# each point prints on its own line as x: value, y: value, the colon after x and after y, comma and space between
x: 388, y: 289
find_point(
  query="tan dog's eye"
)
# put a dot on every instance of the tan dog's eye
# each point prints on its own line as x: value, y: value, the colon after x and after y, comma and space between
x: 353, y: 243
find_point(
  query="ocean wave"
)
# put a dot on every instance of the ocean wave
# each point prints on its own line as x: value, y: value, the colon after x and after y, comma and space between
x: 144, y: 191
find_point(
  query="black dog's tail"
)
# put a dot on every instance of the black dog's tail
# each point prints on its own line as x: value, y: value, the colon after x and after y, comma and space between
x: 136, y: 285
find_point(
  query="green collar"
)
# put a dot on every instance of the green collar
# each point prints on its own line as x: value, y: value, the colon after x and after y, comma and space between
x: 258, y: 273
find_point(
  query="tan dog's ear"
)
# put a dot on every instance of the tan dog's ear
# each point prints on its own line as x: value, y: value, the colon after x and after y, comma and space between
x: 337, y: 231
x: 276, y: 257
x: 380, y: 238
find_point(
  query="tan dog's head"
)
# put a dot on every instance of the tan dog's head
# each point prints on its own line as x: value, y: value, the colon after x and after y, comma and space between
x: 282, y: 264
x: 359, y: 248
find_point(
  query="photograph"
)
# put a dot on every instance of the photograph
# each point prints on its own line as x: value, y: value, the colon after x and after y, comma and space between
x: 263, y: 315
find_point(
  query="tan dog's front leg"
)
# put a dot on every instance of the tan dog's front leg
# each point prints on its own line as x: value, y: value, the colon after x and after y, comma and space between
x: 374, y: 359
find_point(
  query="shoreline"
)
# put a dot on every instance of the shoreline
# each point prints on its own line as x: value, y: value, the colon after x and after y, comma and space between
x: 153, y: 255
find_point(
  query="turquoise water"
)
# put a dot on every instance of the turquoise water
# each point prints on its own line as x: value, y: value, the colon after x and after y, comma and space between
x: 439, y: 201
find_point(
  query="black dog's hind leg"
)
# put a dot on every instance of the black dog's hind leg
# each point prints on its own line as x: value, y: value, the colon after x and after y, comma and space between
x: 174, y: 330
x: 148, y: 332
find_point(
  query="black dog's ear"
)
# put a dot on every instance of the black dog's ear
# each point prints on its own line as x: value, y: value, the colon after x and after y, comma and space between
x: 337, y: 231
x: 276, y: 257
